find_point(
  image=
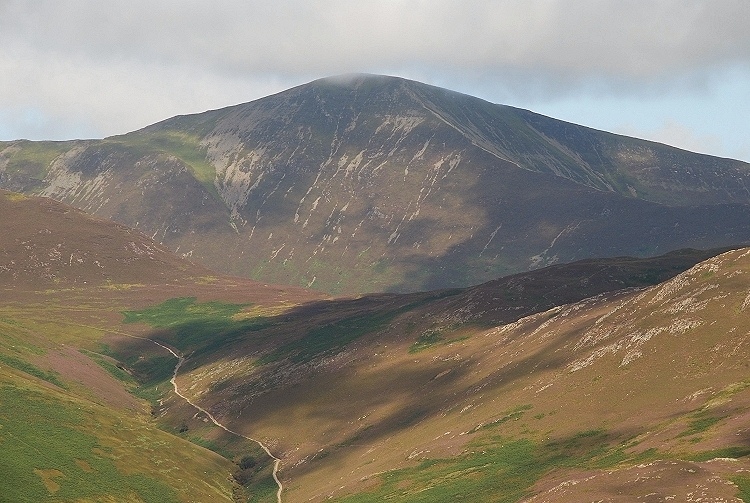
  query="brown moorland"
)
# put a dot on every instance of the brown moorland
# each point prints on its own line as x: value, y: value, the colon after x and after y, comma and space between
x: 413, y: 401
x: 558, y: 384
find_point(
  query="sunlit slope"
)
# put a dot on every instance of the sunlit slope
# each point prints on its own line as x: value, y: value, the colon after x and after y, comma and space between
x: 74, y: 344
x: 70, y: 429
x: 417, y: 402
x: 371, y: 183
x: 47, y: 245
x: 58, y: 446
x: 76, y: 422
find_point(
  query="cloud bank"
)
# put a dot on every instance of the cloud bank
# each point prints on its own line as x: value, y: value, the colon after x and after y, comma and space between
x: 97, y: 68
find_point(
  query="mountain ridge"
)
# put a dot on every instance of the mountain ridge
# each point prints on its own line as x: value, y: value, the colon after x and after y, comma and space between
x: 464, y: 117
x: 386, y: 184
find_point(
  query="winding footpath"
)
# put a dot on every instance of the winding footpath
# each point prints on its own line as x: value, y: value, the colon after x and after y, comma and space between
x: 180, y: 361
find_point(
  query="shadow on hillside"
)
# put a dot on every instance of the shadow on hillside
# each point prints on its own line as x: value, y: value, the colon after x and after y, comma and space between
x: 322, y: 364
x: 339, y: 373
x: 553, y: 220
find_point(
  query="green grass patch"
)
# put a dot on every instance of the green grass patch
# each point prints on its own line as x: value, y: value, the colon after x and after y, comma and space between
x: 728, y: 452
x: 701, y: 422
x: 33, y: 158
x: 253, y: 467
x: 184, y: 146
x: 15, y: 197
x: 174, y: 312
x: 48, y: 452
x: 30, y: 369
x: 154, y: 370
x: 431, y: 338
x: 262, y: 490
x: 150, y: 374
x: 428, y: 339
x: 495, y: 469
x: 500, y: 469
x: 197, y: 327
x: 111, y: 368
x: 743, y: 485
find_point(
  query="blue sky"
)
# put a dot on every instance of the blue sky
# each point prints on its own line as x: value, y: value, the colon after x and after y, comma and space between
x: 675, y: 71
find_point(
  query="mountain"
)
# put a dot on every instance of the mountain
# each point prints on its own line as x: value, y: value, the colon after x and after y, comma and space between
x: 563, y: 383
x: 639, y: 394
x: 369, y: 183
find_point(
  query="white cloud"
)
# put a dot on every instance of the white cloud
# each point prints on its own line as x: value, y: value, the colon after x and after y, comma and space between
x: 678, y: 135
x: 46, y: 93
x: 109, y: 67
x: 621, y: 39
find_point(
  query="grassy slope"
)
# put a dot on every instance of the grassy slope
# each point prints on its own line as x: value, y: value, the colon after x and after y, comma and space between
x: 60, y: 444
x: 606, y: 384
x: 69, y: 420
x: 29, y: 161
x: 57, y: 376
x: 183, y: 145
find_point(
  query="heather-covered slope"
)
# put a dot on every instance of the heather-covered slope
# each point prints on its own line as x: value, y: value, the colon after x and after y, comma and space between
x: 368, y: 183
x: 47, y: 244
x: 418, y: 399
x: 482, y: 393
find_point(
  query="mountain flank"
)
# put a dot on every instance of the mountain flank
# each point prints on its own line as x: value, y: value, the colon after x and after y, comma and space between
x: 47, y: 244
x: 573, y: 381
x: 407, y: 398
x: 370, y: 183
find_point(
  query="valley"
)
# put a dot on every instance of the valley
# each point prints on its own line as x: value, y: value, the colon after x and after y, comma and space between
x: 524, y: 387
x: 366, y: 289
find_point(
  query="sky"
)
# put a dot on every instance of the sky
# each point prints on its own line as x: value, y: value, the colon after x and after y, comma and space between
x: 673, y: 71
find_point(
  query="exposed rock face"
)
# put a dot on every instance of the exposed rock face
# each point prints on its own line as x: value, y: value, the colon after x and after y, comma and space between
x: 369, y: 183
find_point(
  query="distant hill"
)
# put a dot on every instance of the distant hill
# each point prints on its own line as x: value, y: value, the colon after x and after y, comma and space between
x: 46, y: 244
x: 368, y: 183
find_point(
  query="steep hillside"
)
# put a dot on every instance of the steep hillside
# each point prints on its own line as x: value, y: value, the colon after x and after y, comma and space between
x: 368, y: 183
x: 60, y: 446
x: 627, y: 395
x: 76, y: 424
x: 479, y: 393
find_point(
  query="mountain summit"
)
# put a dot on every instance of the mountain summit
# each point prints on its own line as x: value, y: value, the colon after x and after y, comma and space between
x: 370, y: 183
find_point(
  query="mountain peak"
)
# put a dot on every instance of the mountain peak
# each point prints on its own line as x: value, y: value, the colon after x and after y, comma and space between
x: 359, y: 182
x: 355, y: 80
